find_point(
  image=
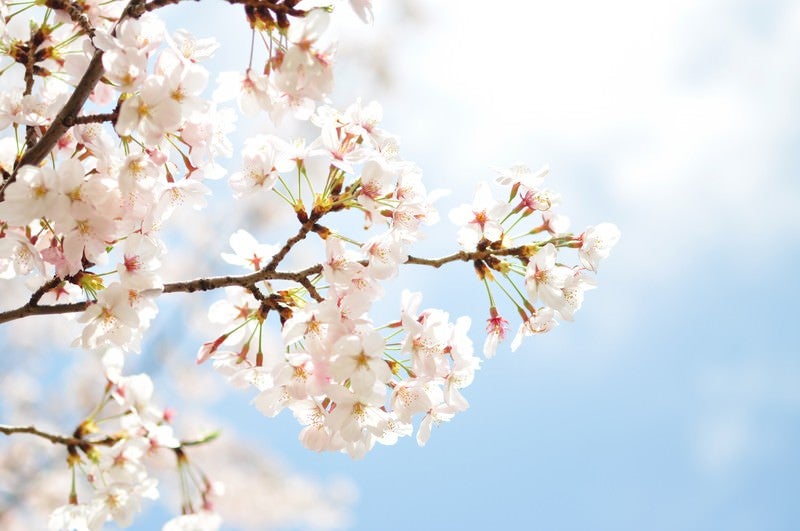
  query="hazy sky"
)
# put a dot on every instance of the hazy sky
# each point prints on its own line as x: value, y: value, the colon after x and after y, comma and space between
x: 673, y: 401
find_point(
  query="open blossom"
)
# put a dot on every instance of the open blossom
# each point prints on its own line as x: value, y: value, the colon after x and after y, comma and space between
x: 340, y: 264
x: 435, y: 416
x: 305, y: 70
x: 481, y: 220
x: 250, y: 89
x: 358, y: 418
x: 87, y: 235
x: 596, y: 244
x: 571, y: 296
x: 544, y: 278
x: 414, y: 396
x: 385, y: 253
x: 121, y: 502
x: 359, y: 358
x: 152, y: 113
x: 192, y: 48
x: 112, y: 319
x: 542, y: 320
x: 264, y: 159
x: 541, y: 200
x: 33, y: 194
x: 522, y: 176
x: 30, y: 109
x: 18, y: 256
x: 125, y: 67
x: 248, y: 253
x: 141, y: 260
x: 207, y: 134
x: 377, y: 180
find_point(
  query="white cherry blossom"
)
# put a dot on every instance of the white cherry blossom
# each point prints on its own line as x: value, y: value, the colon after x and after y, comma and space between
x: 596, y: 244
x: 481, y: 220
x: 248, y: 253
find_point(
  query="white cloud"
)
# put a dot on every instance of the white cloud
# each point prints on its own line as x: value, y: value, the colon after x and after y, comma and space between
x: 679, y: 113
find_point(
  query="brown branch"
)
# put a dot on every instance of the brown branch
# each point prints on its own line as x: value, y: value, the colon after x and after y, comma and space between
x: 521, y: 251
x: 312, y: 291
x: 250, y: 280
x: 44, y: 288
x: 75, y: 12
x: 307, y: 226
x: 92, y: 118
x: 80, y: 442
x: 53, y: 438
x: 59, y: 126
x: 212, y: 283
x: 36, y: 309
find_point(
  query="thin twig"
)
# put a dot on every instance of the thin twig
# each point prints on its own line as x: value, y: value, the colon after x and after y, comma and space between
x: 76, y: 441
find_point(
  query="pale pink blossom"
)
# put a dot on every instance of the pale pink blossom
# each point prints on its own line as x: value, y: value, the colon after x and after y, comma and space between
x: 152, y: 114
x: 540, y: 322
x: 481, y: 220
x: 32, y: 195
x: 522, y: 176
x: 359, y: 359
x: 248, y: 253
x: 191, y: 48
x: 141, y: 261
x: 596, y: 244
x: 112, y: 319
x: 264, y: 160
x: 385, y: 253
x: 250, y: 89
x: 18, y: 256
x: 435, y: 416
x: 544, y: 279
x: 571, y: 296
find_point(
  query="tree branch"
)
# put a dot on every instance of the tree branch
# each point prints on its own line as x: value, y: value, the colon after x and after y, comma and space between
x: 53, y: 438
x: 59, y: 126
x: 76, y: 441
x: 247, y: 281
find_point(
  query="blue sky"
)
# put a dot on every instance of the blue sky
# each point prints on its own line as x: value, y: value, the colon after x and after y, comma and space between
x: 673, y: 401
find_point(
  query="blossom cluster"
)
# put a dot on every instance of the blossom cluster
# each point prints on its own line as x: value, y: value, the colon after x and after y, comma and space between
x: 348, y: 381
x: 488, y: 226
x: 114, y: 466
x: 81, y: 221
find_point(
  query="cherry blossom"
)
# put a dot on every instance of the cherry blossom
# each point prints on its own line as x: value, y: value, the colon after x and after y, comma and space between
x: 89, y: 194
x: 596, y: 244
x: 248, y: 253
x: 545, y: 279
x: 481, y: 220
